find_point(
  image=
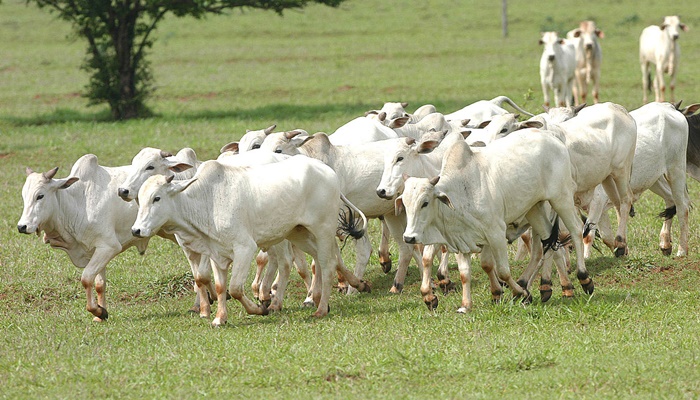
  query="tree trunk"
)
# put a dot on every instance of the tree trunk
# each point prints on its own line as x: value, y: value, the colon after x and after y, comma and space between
x: 127, y: 105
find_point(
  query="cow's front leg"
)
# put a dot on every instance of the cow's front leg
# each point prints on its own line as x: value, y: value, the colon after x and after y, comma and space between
x: 243, y: 256
x: 94, y: 268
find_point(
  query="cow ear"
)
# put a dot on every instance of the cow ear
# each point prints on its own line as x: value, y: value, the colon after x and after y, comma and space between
x: 179, y: 186
x: 562, y: 41
x: 478, y: 143
x: 600, y: 33
x: 399, y: 122
x: 484, y: 124
x: 398, y: 206
x: 179, y: 166
x: 530, y: 124
x: 66, y: 182
x: 29, y: 171
x: 445, y: 199
x: 381, y: 116
x: 541, y: 41
x: 577, y: 33
x: 684, y: 27
x: 465, y: 134
x: 427, y: 147
x: 233, y: 146
x: 465, y: 122
x: 691, y: 109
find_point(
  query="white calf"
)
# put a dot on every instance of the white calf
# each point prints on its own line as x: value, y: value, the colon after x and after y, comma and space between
x: 658, y: 45
x: 557, y: 66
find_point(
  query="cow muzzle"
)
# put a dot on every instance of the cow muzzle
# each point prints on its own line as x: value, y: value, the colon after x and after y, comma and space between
x: 22, y: 228
x: 136, y: 232
x: 410, y: 239
x: 382, y: 194
x: 551, y: 58
x: 124, y: 194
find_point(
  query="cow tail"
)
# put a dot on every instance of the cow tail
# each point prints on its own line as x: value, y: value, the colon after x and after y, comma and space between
x: 348, y: 223
x: 553, y: 241
x: 668, y: 213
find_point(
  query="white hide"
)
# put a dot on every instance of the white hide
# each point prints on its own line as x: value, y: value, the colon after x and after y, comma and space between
x: 658, y: 45
x: 589, y: 58
x: 557, y: 65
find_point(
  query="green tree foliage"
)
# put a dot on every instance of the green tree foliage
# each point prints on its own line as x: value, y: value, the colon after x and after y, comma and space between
x: 118, y: 33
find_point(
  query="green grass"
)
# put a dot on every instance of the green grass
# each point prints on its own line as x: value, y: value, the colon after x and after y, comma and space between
x: 637, y: 336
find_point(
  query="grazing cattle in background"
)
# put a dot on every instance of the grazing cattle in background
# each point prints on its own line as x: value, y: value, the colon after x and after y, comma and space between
x: 557, y: 68
x: 658, y: 45
x: 484, y: 110
x: 359, y: 169
x: 589, y: 57
x: 228, y: 212
x: 82, y: 216
x: 252, y: 140
x: 660, y: 166
x: 480, y: 195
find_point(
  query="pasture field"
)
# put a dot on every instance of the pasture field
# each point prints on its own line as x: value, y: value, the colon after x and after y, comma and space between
x: 637, y: 336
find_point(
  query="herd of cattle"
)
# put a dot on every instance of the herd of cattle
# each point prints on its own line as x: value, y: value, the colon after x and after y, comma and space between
x: 471, y: 181
x: 569, y: 66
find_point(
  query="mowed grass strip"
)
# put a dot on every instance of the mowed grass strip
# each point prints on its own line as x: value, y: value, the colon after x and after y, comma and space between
x: 315, y: 69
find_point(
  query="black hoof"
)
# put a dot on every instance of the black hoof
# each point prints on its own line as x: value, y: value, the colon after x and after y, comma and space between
x: 447, y: 287
x: 667, y: 252
x: 432, y: 303
x: 588, y: 287
x: 103, y: 313
x: 397, y: 288
x: 265, y: 310
x: 228, y: 295
x: 526, y: 298
x: 211, y: 300
x: 364, y: 287
x: 386, y: 266
x: 545, y: 295
x: 266, y: 303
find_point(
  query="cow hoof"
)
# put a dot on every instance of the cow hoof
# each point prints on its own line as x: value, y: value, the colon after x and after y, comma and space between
x: 308, y: 302
x: 447, y: 287
x: 194, y: 310
x: 266, y: 303
x: 364, y: 287
x: 525, y: 297
x: 217, y: 323
x: 545, y: 295
x: 386, y: 266
x: 567, y: 291
x: 667, y: 252
x: 103, y: 313
x: 97, y: 319
x: 396, y: 289
x: 343, y: 289
x: 620, y: 251
x: 463, y: 310
x: 588, y: 287
x: 431, y: 302
x: 264, y: 310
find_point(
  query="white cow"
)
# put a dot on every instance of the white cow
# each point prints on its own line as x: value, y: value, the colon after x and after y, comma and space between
x: 480, y: 195
x: 484, y: 110
x: 557, y: 66
x: 82, y: 216
x: 252, y: 140
x: 589, y: 58
x: 398, y: 110
x: 601, y: 140
x: 658, y: 45
x: 659, y: 165
x: 227, y: 212
x: 366, y: 129
x: 359, y: 169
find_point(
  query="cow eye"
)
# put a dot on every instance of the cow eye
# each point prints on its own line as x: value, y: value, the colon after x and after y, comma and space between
x: 150, y: 167
x: 39, y: 197
x: 256, y: 146
x: 278, y: 151
x: 425, y: 204
x: 504, y: 130
x: 155, y: 199
x: 399, y: 159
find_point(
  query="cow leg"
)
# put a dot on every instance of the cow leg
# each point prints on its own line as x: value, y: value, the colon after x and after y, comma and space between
x: 202, y: 286
x: 645, y: 81
x: 363, y: 251
x: 303, y: 269
x: 397, y: 225
x: 488, y: 265
x: 101, y: 289
x: 220, y: 268
x: 269, y: 274
x: 619, y: 185
x: 261, y: 261
x: 243, y: 256
x: 443, y: 272
x: 384, y: 255
x: 680, y: 198
x: 464, y: 265
x: 96, y: 266
x: 523, y: 246
x: 498, y: 247
x: 426, y: 287
x: 660, y: 84
x: 284, y: 265
x: 564, y: 207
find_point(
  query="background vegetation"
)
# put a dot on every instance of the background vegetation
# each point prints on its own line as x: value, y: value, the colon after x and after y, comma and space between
x: 637, y: 336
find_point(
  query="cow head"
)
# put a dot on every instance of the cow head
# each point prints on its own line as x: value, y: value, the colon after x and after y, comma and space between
x: 149, y: 162
x: 285, y: 142
x: 391, y: 112
x: 588, y: 33
x: 550, y: 41
x: 421, y: 199
x: 400, y: 157
x: 156, y: 204
x: 39, y: 196
x: 673, y: 26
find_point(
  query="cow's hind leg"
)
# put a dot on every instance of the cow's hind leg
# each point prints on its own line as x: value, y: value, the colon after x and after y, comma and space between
x: 96, y: 267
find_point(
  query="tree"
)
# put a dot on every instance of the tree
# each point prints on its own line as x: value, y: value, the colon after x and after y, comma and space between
x: 118, y: 33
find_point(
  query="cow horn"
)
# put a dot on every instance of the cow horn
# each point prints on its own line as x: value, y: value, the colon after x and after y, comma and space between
x: 434, y: 180
x: 165, y: 154
x: 29, y: 171
x: 410, y: 141
x: 269, y: 129
x: 169, y: 178
x: 48, y: 175
x: 404, y: 104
